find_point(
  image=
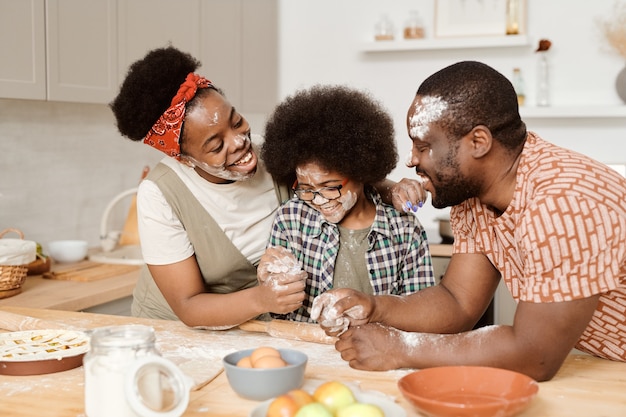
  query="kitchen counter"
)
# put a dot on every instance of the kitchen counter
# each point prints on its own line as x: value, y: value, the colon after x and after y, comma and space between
x: 39, y: 292
x: 584, y: 386
x: 440, y: 250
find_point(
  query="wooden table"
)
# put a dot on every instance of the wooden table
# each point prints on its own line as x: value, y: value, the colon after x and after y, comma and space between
x: 585, y: 386
x: 39, y: 292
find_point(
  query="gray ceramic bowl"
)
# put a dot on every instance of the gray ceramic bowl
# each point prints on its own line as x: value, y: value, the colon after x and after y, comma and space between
x: 262, y: 384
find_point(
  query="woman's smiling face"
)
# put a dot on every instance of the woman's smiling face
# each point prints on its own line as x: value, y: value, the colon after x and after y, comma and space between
x: 312, y: 176
x: 217, y: 140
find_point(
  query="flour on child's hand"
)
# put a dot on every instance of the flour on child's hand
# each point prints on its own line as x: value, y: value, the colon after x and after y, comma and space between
x: 356, y: 312
x: 278, y: 266
x: 327, y: 315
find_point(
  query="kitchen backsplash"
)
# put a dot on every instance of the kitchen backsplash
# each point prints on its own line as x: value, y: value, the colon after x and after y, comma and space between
x: 61, y: 165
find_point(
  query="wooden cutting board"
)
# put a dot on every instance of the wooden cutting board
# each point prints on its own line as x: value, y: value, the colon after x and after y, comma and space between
x: 89, y: 271
x: 130, y: 232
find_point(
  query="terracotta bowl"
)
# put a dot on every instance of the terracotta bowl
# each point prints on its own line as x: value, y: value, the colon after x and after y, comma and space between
x: 468, y: 391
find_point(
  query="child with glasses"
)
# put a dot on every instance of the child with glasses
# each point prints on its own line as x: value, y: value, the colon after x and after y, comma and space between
x: 338, y: 142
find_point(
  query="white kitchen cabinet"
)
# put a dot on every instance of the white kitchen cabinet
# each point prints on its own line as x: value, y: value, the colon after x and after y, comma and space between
x: 81, y: 39
x: 23, y: 49
x: 144, y: 25
x: 222, y: 47
x: 259, y: 56
x: 235, y: 40
x: 58, y: 50
x: 86, y: 48
x: 240, y: 51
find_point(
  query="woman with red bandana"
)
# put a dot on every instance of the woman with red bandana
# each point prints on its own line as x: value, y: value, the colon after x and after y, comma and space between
x: 206, y: 210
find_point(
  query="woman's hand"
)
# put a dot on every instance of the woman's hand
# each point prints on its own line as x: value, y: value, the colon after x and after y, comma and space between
x: 281, y: 280
x: 338, y: 309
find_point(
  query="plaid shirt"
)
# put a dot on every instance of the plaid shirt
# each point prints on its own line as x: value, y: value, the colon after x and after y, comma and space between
x: 398, y: 256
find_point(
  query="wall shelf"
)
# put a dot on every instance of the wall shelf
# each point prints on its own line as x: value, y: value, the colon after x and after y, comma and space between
x: 568, y: 112
x: 446, y: 43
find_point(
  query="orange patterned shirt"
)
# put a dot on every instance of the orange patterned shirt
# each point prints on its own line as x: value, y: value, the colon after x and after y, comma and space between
x: 563, y: 237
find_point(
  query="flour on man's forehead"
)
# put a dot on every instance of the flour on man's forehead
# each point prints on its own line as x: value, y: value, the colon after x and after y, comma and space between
x: 429, y: 109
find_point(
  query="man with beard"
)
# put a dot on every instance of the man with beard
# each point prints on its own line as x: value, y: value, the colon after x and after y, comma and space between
x: 548, y: 221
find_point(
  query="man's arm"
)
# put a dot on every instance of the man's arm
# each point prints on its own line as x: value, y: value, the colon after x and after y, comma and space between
x: 439, y: 318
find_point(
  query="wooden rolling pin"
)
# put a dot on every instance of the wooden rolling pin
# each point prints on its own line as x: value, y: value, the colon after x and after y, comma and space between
x: 17, y: 322
x: 292, y: 330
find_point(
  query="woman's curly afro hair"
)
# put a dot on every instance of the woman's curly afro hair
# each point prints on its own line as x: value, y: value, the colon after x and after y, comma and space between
x: 148, y: 89
x: 342, y: 129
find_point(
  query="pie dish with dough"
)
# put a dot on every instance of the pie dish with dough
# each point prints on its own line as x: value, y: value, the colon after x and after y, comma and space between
x: 36, y: 352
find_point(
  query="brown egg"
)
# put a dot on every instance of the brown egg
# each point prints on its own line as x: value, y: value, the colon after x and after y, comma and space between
x: 269, y: 362
x: 263, y: 351
x: 245, y: 362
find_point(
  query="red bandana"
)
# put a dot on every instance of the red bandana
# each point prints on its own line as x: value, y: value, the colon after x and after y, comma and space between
x: 165, y: 133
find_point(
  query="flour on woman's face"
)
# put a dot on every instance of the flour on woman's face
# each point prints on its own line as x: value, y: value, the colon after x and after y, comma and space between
x: 227, y: 172
x: 426, y: 110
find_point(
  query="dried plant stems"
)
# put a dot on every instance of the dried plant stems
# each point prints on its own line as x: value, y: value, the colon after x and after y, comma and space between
x: 614, y: 29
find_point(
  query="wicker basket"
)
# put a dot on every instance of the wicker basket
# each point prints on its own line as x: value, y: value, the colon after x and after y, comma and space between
x: 12, y: 276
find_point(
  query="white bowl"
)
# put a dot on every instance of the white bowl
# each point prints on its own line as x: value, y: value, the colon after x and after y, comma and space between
x: 68, y: 250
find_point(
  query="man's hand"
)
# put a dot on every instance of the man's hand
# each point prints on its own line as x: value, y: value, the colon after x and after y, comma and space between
x: 373, y: 347
x: 337, y: 309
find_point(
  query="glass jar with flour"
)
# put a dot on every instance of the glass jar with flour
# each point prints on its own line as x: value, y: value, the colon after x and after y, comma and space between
x: 125, y: 376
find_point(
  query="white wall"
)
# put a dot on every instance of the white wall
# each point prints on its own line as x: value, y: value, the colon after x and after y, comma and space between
x: 320, y: 42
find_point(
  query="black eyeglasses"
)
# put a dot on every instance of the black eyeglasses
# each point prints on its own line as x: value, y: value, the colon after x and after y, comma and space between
x: 329, y: 193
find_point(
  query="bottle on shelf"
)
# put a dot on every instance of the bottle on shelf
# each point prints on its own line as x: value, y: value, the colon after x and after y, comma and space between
x: 512, y: 17
x: 543, y: 73
x: 414, y: 28
x: 518, y: 85
x: 384, y: 29
x: 543, y: 80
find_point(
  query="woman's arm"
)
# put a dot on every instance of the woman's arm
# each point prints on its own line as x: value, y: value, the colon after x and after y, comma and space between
x: 183, y: 288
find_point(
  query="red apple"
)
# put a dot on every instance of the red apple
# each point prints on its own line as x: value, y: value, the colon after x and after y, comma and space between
x: 334, y: 395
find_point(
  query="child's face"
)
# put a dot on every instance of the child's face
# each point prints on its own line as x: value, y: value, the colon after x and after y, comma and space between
x: 311, y: 176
